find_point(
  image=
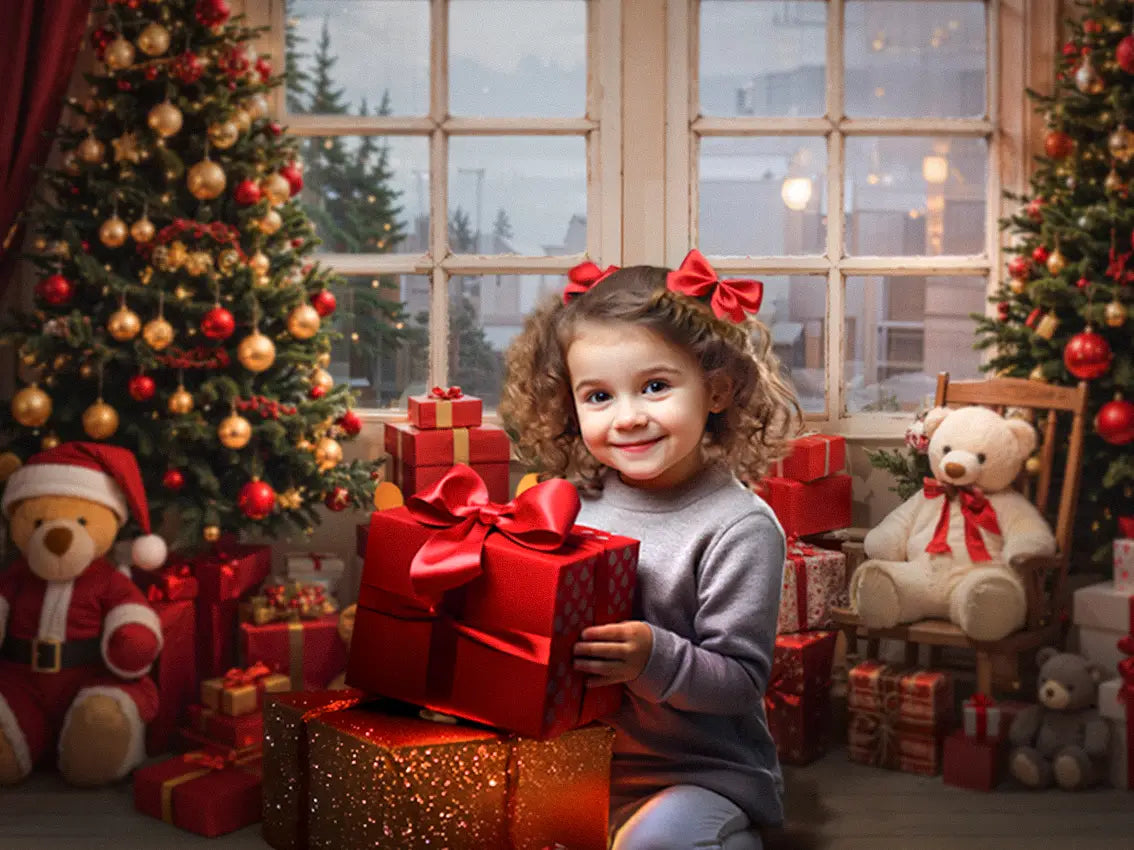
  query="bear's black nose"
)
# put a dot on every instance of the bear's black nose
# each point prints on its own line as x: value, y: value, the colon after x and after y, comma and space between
x: 57, y: 541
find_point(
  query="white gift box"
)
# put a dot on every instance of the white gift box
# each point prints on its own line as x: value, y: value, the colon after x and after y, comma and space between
x: 1115, y: 712
x: 322, y: 568
x: 1124, y: 564
x: 1102, y: 615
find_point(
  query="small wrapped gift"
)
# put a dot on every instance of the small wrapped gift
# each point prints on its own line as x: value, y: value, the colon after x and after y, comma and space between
x: 809, y: 507
x: 813, y: 456
x: 246, y: 730
x: 461, y: 595
x: 799, y: 723
x: 1103, y: 615
x: 418, y: 459
x: 287, y: 601
x: 801, y: 663
x: 309, y: 652
x: 241, y: 691
x: 1124, y: 556
x: 322, y: 568
x: 444, y: 408
x: 201, y: 792
x: 983, y: 718
x: 815, y: 580
x: 969, y: 763
x: 175, y: 671
x: 1116, y: 704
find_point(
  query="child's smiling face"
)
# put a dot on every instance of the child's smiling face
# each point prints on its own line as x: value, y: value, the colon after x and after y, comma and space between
x: 642, y: 402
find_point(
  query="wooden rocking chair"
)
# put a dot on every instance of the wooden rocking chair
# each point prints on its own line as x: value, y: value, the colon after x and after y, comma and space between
x: 1045, y: 578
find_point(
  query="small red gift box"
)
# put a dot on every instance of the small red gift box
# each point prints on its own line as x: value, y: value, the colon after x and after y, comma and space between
x: 412, y: 479
x: 809, y: 507
x: 241, y: 691
x: 201, y: 792
x: 460, y: 595
x: 418, y: 459
x: 309, y: 652
x: 175, y: 671
x: 801, y: 663
x: 814, y: 456
x: 169, y: 584
x: 799, y: 723
x: 972, y: 764
x: 815, y: 580
x: 236, y: 732
x: 444, y: 408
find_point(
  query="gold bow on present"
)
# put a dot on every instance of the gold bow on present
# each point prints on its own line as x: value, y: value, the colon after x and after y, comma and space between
x: 292, y: 601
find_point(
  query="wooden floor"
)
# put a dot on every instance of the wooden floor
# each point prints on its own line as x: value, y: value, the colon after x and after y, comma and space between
x: 832, y: 805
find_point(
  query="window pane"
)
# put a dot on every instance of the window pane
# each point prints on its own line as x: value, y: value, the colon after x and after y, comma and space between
x: 901, y: 331
x: 384, y: 352
x: 367, y: 194
x: 517, y: 195
x: 915, y: 60
x: 518, y: 58
x: 759, y: 57
x: 364, y: 57
x: 794, y: 309
x: 915, y: 196
x: 763, y: 196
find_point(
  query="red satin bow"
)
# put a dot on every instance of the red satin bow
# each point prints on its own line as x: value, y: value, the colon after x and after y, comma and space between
x: 236, y: 677
x: 731, y: 297
x: 442, y: 393
x: 981, y: 700
x: 539, y: 518
x: 582, y: 277
x: 211, y: 761
x: 977, y: 512
x: 1126, y: 526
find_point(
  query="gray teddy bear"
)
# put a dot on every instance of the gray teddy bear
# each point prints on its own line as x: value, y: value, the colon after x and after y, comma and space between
x: 1062, y: 738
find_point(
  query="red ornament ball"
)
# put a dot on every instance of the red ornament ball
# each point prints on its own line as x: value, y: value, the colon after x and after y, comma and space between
x: 247, y: 192
x: 1057, y: 144
x: 1125, y: 54
x: 188, y: 67
x: 293, y: 174
x: 141, y: 387
x: 264, y: 69
x: 1082, y: 283
x: 324, y: 302
x: 125, y: 85
x: 1034, y: 209
x: 152, y: 72
x: 275, y: 128
x: 350, y: 423
x: 212, y: 13
x: 1087, y: 355
x: 338, y: 499
x: 316, y: 392
x: 218, y: 323
x: 1019, y: 266
x: 256, y: 499
x: 174, y: 479
x: 1040, y: 254
x: 1002, y: 310
x: 1115, y: 422
x: 55, y: 290
x: 236, y: 62
x: 1070, y: 50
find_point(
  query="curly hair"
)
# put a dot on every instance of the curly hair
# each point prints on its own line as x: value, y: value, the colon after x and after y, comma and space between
x: 538, y: 408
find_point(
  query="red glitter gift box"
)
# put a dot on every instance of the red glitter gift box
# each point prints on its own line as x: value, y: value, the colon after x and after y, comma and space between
x: 460, y: 595
x: 800, y: 724
x: 418, y: 459
x: 809, y: 507
x: 969, y: 763
x: 309, y: 652
x: 801, y: 662
x: 444, y: 408
x: 175, y: 671
x: 813, y: 456
x: 202, y: 792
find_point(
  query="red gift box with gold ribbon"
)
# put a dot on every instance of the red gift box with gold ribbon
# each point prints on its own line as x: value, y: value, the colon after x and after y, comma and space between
x: 202, y: 792
x: 815, y: 580
x: 809, y: 507
x: 461, y: 595
x: 419, y: 458
x: 241, y: 690
x: 812, y: 456
x: 309, y: 652
x: 444, y: 407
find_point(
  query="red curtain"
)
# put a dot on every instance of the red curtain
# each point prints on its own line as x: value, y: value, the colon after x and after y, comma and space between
x: 39, y: 42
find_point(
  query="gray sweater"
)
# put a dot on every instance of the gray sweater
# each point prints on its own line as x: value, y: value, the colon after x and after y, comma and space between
x: 710, y: 571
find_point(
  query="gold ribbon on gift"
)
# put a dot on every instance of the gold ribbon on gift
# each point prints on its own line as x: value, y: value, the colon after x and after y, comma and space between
x: 209, y: 763
x: 460, y: 445
x: 295, y: 653
x: 444, y: 413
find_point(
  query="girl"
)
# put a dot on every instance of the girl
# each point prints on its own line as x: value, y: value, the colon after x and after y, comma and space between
x: 652, y: 391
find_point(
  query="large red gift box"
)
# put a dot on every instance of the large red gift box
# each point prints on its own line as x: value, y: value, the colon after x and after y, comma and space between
x: 411, y: 479
x: 898, y: 718
x: 814, y: 456
x: 802, y: 662
x: 202, y: 792
x: 815, y: 580
x: 809, y: 507
x: 418, y: 459
x: 235, y: 732
x: 800, y: 724
x: 972, y: 764
x: 444, y: 408
x: 175, y: 671
x: 310, y: 652
x: 473, y: 608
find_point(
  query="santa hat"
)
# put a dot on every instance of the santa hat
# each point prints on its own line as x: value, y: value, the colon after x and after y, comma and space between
x: 108, y: 475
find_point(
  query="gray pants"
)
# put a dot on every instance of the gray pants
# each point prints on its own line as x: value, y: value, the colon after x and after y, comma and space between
x: 683, y: 817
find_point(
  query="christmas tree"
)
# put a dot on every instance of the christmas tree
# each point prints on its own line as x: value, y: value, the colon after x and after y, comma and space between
x: 177, y: 312
x: 1061, y: 315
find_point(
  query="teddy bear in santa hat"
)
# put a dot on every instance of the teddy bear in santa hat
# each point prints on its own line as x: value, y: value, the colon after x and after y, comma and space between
x: 77, y: 637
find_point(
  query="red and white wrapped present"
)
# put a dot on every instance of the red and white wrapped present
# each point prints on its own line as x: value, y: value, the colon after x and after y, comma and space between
x: 983, y: 718
x: 815, y: 580
x: 1103, y: 614
x: 321, y: 568
x: 812, y: 456
x: 444, y: 407
x: 1124, y: 555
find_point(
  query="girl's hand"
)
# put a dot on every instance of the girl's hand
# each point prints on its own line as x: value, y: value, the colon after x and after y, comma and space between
x: 614, y: 653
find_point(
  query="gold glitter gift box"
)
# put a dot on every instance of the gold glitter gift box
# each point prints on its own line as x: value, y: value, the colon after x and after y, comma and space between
x: 379, y: 776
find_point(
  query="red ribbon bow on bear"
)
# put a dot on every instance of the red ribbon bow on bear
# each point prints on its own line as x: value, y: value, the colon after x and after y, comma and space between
x: 977, y: 512
x: 582, y: 277
x: 731, y: 297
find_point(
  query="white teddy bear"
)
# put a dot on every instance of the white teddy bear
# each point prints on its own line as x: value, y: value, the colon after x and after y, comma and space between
x: 945, y: 552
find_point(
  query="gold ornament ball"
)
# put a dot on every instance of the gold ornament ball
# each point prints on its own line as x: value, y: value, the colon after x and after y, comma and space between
x: 328, y: 453
x: 227, y: 260
x: 259, y: 263
x: 322, y: 378
x: 276, y: 189
x: 198, y: 263
x: 91, y: 150
x: 242, y: 120
x: 160, y: 258
x: 211, y: 533
x: 123, y: 324
x: 304, y: 445
x: 31, y: 406
x: 9, y: 463
x: 181, y: 402
x: 165, y: 119
x: 224, y: 134
x: 234, y: 431
x: 49, y: 442
x: 256, y: 352
x: 323, y: 360
x: 261, y: 280
x: 257, y: 106
x: 1033, y: 466
x: 142, y: 230
x: 1121, y: 144
x: 158, y: 333
x: 119, y: 54
x: 1056, y: 263
x: 100, y: 420
x: 1115, y: 314
x: 206, y: 180
x: 1113, y: 183
x: 178, y: 254
x: 303, y: 322
x: 270, y: 223
x: 1018, y: 285
x: 113, y: 232
x: 154, y: 40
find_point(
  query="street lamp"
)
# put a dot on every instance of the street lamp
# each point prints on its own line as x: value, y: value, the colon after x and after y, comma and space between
x: 935, y: 169
x: 796, y: 193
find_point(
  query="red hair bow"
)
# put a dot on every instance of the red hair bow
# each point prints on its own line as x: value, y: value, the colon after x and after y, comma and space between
x: 582, y: 277
x: 731, y: 297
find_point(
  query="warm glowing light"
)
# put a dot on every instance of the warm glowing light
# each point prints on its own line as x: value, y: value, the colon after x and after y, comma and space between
x: 796, y: 192
x: 935, y: 169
